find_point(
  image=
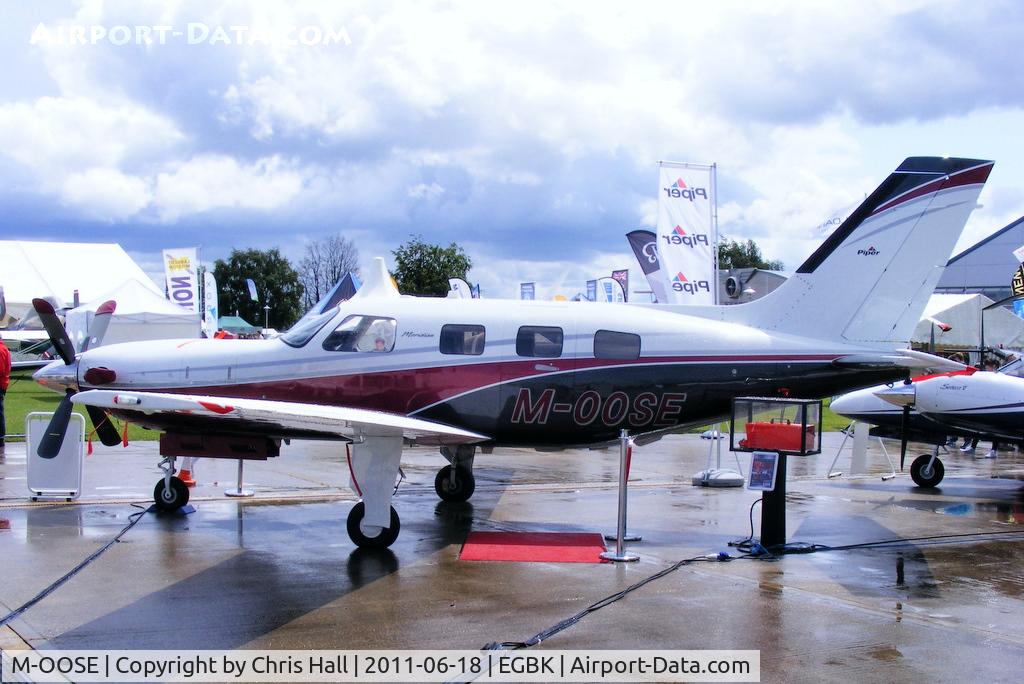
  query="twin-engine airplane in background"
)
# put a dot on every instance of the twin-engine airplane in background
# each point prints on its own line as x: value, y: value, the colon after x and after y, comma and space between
x: 381, y: 370
x: 930, y: 408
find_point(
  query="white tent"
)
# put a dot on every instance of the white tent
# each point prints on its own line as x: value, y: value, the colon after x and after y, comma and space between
x: 57, y: 269
x: 963, y: 312
x: 140, y: 315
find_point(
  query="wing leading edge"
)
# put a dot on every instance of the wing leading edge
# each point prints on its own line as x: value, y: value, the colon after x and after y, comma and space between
x: 333, y: 421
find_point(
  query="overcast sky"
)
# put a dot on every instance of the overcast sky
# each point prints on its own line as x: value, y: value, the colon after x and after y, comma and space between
x: 526, y: 132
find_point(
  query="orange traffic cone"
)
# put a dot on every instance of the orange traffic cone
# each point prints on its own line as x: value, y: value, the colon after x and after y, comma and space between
x: 186, y: 477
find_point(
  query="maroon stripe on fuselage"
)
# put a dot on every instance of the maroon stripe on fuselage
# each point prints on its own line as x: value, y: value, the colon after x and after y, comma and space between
x: 411, y: 389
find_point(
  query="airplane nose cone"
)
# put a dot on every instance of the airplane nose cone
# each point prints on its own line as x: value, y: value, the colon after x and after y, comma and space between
x: 900, y: 395
x: 58, y: 376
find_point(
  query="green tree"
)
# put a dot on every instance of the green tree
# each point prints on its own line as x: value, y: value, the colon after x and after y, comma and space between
x: 423, y: 269
x: 733, y: 254
x: 277, y: 285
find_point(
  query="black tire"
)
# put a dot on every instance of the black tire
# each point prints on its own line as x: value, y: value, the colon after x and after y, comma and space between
x: 922, y: 475
x: 383, y: 540
x: 465, y: 484
x: 172, y: 499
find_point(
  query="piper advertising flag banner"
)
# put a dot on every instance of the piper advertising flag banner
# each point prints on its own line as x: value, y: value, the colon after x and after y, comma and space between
x: 592, y: 290
x: 686, y: 232
x: 622, y: 278
x: 182, y: 278
x: 645, y: 247
x: 526, y: 290
x: 211, y: 304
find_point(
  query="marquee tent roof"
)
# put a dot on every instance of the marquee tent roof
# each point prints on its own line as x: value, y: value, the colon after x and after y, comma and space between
x: 57, y: 269
x: 140, y: 315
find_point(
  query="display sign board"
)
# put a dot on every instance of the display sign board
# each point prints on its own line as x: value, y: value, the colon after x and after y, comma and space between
x: 764, y: 466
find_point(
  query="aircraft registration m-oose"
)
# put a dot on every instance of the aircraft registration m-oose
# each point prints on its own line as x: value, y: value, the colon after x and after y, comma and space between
x: 381, y: 370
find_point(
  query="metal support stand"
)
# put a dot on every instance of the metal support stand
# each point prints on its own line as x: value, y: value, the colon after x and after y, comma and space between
x: 846, y: 435
x: 625, y: 452
x: 717, y: 476
x: 773, y: 509
x: 238, y: 492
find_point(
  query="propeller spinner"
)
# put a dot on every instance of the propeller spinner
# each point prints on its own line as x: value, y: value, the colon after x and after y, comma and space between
x: 905, y: 396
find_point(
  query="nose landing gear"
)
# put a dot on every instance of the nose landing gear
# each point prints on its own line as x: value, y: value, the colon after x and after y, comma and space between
x: 170, y: 492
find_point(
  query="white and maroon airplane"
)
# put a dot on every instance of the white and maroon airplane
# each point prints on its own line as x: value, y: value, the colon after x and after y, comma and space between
x: 382, y: 370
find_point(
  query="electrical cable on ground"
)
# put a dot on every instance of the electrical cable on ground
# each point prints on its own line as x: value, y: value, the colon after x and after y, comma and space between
x: 608, y: 600
x: 132, y: 520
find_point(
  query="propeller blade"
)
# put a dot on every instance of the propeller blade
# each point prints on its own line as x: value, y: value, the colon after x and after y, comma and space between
x: 49, y: 445
x: 99, y: 325
x: 904, y: 424
x: 105, y: 429
x: 54, y: 328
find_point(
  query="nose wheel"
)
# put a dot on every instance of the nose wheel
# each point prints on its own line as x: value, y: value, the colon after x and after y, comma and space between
x: 927, y: 471
x: 170, y: 496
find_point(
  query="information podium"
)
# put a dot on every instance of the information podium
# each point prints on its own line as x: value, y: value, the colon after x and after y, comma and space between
x: 772, y: 428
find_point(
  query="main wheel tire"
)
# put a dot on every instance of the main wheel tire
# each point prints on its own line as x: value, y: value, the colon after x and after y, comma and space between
x: 460, y: 490
x: 383, y: 540
x: 922, y: 475
x: 170, y: 499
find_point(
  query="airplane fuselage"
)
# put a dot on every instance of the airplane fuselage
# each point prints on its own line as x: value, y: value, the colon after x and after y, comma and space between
x: 522, y: 373
x: 979, y: 404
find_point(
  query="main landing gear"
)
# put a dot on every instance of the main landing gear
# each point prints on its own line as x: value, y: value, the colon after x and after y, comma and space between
x: 371, y: 537
x: 373, y: 523
x: 455, y: 482
x: 170, y: 492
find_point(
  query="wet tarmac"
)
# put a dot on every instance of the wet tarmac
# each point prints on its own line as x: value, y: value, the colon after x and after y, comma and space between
x: 278, y: 571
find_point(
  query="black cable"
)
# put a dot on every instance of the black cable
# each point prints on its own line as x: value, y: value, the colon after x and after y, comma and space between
x: 748, y: 545
x: 607, y: 601
x: 936, y: 538
x: 133, y: 518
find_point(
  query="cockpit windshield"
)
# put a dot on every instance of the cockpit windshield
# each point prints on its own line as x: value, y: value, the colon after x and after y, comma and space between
x: 304, y: 330
x: 1015, y: 368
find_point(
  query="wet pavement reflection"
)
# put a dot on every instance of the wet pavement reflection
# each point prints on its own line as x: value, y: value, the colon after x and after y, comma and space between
x: 278, y: 570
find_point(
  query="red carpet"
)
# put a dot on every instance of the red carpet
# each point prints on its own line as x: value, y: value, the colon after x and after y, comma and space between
x: 535, y: 547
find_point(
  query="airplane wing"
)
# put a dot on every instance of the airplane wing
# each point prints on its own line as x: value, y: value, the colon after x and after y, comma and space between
x: 30, y: 365
x: 332, y: 421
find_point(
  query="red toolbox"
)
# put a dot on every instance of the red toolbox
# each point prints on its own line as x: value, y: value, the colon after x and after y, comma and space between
x: 772, y: 436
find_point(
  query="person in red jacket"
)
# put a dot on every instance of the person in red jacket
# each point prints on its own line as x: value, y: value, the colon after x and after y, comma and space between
x: 5, y: 380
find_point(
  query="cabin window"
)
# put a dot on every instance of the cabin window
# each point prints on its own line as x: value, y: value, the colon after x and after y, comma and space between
x: 462, y: 339
x: 539, y: 341
x: 609, y: 344
x: 362, y: 334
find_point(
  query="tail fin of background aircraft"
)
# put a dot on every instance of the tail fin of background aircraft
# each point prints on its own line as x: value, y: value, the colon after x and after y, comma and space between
x: 868, y: 283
